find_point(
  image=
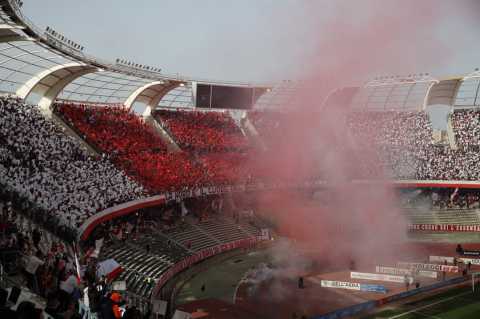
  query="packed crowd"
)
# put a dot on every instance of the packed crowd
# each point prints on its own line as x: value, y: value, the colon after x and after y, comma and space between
x: 202, y: 131
x: 215, y: 152
x: 405, y: 146
x: 45, y: 168
x: 466, y: 125
x: 134, y: 147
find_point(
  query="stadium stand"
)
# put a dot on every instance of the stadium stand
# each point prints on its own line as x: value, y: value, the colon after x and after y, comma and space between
x: 406, y: 148
x: 466, y: 125
x: 202, y: 131
x: 50, y: 170
x: 133, y: 146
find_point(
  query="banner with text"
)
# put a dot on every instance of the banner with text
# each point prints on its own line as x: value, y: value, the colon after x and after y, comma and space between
x: 340, y: 284
x: 471, y: 253
x: 444, y: 228
x: 433, y: 267
x: 373, y: 288
x: 473, y: 261
x: 402, y: 272
x: 380, y: 277
x: 441, y: 259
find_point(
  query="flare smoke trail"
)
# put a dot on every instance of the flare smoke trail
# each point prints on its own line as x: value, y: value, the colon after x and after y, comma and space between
x: 361, y: 38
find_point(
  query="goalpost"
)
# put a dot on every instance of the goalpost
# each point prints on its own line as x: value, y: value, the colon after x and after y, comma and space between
x: 475, y: 281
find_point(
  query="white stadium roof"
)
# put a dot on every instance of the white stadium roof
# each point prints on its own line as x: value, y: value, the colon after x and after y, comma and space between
x: 40, y: 64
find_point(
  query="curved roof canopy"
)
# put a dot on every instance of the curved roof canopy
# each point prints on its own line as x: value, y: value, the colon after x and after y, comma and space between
x: 179, y: 97
x: 31, y: 61
x: 102, y: 87
x: 468, y: 92
x: 20, y: 61
x: 408, y: 96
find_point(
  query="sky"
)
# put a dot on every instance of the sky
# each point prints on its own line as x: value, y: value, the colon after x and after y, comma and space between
x: 259, y: 40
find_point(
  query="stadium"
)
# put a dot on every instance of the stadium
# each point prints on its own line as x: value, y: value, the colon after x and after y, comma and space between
x: 128, y: 192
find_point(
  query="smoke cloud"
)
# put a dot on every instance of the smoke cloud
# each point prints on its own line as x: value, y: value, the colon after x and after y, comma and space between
x: 347, y: 221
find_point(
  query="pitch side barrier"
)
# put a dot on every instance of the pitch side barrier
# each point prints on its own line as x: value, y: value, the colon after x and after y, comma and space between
x: 369, y: 305
x: 201, y: 255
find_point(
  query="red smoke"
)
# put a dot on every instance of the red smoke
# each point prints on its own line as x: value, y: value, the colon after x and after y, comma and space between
x: 360, y: 39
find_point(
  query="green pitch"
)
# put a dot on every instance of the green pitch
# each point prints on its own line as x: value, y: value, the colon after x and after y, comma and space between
x: 458, y: 303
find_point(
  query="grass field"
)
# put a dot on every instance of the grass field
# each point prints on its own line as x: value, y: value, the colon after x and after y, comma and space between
x: 459, y: 303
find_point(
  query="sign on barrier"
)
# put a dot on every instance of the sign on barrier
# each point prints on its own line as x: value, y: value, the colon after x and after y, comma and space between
x: 471, y: 252
x: 379, y: 277
x: 373, y: 288
x: 402, y: 272
x: 434, y: 267
x: 444, y: 228
x: 441, y: 259
x: 340, y: 284
x: 359, y: 308
x: 473, y: 261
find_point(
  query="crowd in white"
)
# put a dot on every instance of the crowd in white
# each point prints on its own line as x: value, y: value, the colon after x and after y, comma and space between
x: 405, y: 148
x: 466, y: 125
x: 50, y: 169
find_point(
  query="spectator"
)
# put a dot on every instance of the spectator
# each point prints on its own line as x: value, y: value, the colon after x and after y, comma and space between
x: 5, y: 312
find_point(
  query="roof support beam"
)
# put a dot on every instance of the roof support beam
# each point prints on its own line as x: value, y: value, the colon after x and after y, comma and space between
x: 444, y: 92
x: 150, y: 94
x: 49, y: 83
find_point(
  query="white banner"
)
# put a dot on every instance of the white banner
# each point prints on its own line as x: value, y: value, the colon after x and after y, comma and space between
x: 434, y: 267
x: 403, y: 271
x: 265, y: 234
x: 470, y: 260
x: 380, y: 277
x: 159, y: 306
x: 340, y: 284
x: 181, y: 315
x: 427, y: 274
x: 119, y: 285
x: 441, y: 259
x: 392, y: 271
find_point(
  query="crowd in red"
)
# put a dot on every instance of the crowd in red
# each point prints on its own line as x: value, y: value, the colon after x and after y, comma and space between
x: 112, y: 129
x: 202, y: 131
x: 213, y: 147
x: 133, y: 146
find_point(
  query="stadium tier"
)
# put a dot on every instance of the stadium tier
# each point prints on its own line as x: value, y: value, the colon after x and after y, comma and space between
x: 466, y: 125
x: 202, y: 131
x: 133, y: 146
x: 407, y: 150
x: 49, y: 170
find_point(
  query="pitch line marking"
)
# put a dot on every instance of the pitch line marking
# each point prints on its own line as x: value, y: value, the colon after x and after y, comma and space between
x: 425, y: 315
x: 429, y: 305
